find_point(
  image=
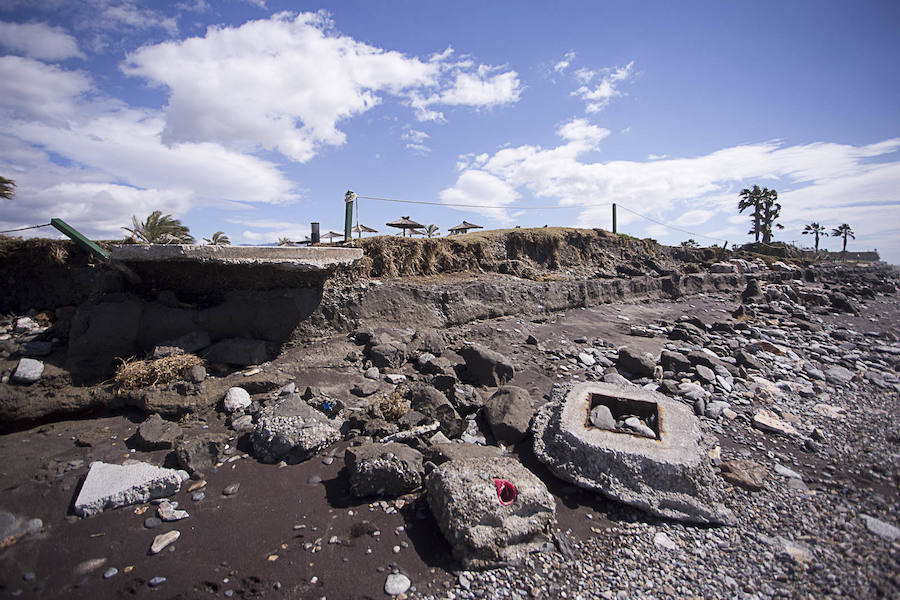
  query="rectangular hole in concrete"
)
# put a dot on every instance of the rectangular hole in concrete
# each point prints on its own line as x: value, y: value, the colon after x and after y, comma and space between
x: 621, y: 408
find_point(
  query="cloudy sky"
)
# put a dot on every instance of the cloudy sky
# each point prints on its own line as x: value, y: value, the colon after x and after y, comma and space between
x: 255, y: 116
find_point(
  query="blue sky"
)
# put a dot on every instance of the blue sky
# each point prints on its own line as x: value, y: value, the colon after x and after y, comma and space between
x: 254, y: 117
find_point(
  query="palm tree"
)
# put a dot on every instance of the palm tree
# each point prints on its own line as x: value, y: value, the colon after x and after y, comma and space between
x: 766, y: 209
x: 7, y: 188
x: 285, y: 242
x: 218, y: 239
x: 160, y: 229
x: 432, y: 230
x: 843, y: 231
x: 816, y: 230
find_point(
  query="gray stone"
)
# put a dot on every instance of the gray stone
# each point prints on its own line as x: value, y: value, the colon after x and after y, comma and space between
x: 36, y: 348
x: 484, y: 533
x: 157, y: 434
x: 391, y: 355
x: 395, y: 378
x: 722, y: 267
x: 28, y: 371
x: 602, y: 418
x: 485, y: 367
x: 236, y: 398
x: 166, y: 351
x: 196, y: 374
x: 586, y: 359
x: 156, y: 581
x: 441, y: 453
x: 242, y: 424
x: 163, y: 540
x: 744, y: 473
x: 466, y: 399
x: 292, y: 430
x: 190, y: 343
x: 880, y: 528
x: 396, y: 584
x: 636, y: 363
x: 434, y: 404
x: 509, y: 413
x: 428, y: 341
x: 237, y: 351
x: 766, y: 420
x: 674, y: 361
x: 639, y: 427
x: 706, y: 374
x: 692, y: 391
x: 25, y: 325
x: 785, y: 472
x: 167, y: 512
x: 669, y: 477
x: 388, y: 470
x: 372, y: 373
x: 199, y: 452
x: 111, y: 486
x: 838, y: 375
x: 364, y: 389
x: 715, y: 409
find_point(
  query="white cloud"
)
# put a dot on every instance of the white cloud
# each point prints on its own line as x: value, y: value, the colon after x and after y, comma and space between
x: 285, y: 83
x: 480, y: 189
x: 599, y: 97
x: 415, y: 140
x: 39, y: 40
x: 694, y: 217
x: 32, y: 89
x: 562, y: 65
x: 127, y: 15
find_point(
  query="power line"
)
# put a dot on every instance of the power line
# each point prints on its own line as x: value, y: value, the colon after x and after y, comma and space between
x: 24, y: 228
x: 485, y: 206
x: 709, y: 237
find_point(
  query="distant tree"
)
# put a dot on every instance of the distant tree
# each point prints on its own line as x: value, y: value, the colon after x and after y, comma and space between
x: 816, y: 230
x: 843, y: 231
x: 158, y: 228
x: 691, y: 243
x: 766, y: 210
x: 432, y: 230
x: 285, y: 242
x: 7, y: 188
x: 218, y: 239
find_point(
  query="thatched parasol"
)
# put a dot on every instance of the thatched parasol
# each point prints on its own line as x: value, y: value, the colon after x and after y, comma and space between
x: 360, y: 229
x: 331, y: 235
x: 464, y: 227
x: 404, y: 223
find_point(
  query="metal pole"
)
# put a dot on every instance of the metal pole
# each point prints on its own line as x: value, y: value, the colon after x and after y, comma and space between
x: 614, y: 217
x: 349, y: 197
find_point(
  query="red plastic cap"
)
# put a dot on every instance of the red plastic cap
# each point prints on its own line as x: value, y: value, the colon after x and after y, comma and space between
x: 506, y: 492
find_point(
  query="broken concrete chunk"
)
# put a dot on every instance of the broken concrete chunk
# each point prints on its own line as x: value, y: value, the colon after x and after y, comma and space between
x: 484, y: 531
x: 112, y: 486
x: 669, y: 477
x: 509, y: 413
x: 197, y: 453
x: 156, y: 434
x: 28, y: 371
x: 486, y: 367
x: 388, y: 470
x: 292, y: 430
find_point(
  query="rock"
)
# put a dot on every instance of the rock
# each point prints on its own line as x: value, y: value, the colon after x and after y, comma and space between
x: 485, y: 367
x: 509, y: 413
x: 434, y: 404
x: 441, y: 453
x: 166, y: 351
x: 190, y: 343
x: 196, y: 374
x: 364, y: 389
x: 110, y: 572
x: 237, y: 351
x: 25, y: 325
x: 157, y: 434
x: 111, y: 486
x: 396, y: 584
x: 663, y: 541
x: 292, y: 430
x: 722, y: 267
x: 692, y: 392
x: 168, y: 513
x: 636, y: 363
x: 428, y: 341
x: 706, y: 374
x: 838, y: 375
x: 389, y: 355
x: 388, y: 470
x: 466, y: 399
x: 830, y: 411
x: 766, y: 420
x: 463, y: 496
x: 395, y: 378
x: 163, y: 540
x: 531, y: 340
x: 36, y: 348
x: 602, y: 418
x: 639, y: 427
x: 231, y: 489
x: 586, y: 359
x: 242, y: 424
x: 372, y: 373
x: 27, y: 371
x: 156, y: 581
x: 674, y: 361
x: 198, y: 452
x: 715, y: 409
x: 785, y: 472
x: 744, y: 473
x: 842, y: 303
x: 880, y: 528
x: 751, y: 291
x: 236, y: 398
x: 669, y: 477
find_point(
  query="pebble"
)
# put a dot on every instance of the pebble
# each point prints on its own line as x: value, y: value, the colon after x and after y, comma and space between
x: 164, y: 539
x: 231, y: 489
x: 110, y: 572
x: 156, y: 581
x: 396, y: 584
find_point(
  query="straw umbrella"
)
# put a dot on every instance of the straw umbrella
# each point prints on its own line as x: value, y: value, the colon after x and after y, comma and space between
x: 331, y: 235
x: 360, y: 229
x: 404, y: 223
x: 464, y: 227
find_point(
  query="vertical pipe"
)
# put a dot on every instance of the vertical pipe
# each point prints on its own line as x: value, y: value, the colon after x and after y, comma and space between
x: 314, y: 237
x: 614, y: 217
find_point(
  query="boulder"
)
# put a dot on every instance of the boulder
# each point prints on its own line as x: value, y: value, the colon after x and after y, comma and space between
x: 388, y: 470
x: 28, y: 371
x: 744, y: 473
x: 440, y: 453
x: 636, y: 363
x: 428, y: 341
x: 485, y: 367
x: 388, y: 355
x: 752, y: 291
x: 434, y: 404
x: 466, y: 398
x: 199, y: 452
x: 112, y: 486
x: 674, y: 361
x: 722, y: 267
x: 236, y: 398
x: 292, y: 430
x: 237, y: 351
x: 509, y: 413
x: 669, y: 477
x: 484, y: 532
x: 156, y: 433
